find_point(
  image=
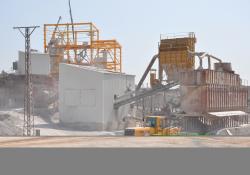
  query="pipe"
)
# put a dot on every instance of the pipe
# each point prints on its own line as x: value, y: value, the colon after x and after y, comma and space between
x: 146, y: 72
x: 202, y: 55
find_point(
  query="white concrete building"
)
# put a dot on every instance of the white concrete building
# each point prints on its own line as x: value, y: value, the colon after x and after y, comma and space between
x: 86, y: 96
x: 40, y: 63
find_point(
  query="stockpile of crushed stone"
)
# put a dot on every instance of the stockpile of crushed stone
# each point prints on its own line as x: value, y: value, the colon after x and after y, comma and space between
x: 243, y: 130
x: 11, y: 123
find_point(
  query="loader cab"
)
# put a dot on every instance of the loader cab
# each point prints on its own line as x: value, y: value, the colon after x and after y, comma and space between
x: 157, y: 122
x: 151, y: 122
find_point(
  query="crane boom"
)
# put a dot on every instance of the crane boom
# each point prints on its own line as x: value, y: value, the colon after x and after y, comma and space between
x: 72, y: 22
x: 56, y: 28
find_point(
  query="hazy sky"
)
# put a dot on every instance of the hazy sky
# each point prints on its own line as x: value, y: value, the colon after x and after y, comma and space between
x: 222, y: 27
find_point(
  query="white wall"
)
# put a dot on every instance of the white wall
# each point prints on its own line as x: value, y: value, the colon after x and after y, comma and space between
x: 115, y: 85
x: 80, y: 94
x: 86, y: 96
x: 40, y: 63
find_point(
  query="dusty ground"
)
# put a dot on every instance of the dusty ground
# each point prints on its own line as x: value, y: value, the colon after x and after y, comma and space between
x: 125, y: 142
x: 11, y: 123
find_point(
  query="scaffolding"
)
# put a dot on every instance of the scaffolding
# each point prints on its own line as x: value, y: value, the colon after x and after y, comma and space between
x: 82, y: 48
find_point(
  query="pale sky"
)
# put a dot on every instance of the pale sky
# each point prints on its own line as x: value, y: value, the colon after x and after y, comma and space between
x: 222, y: 27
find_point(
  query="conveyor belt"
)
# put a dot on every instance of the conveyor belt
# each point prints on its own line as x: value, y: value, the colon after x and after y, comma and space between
x: 137, y: 95
x: 146, y: 72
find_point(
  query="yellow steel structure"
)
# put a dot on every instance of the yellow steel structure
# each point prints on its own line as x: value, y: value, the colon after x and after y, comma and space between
x: 174, y: 55
x: 85, y: 48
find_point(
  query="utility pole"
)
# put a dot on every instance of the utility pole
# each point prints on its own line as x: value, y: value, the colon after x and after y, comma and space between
x: 28, y: 125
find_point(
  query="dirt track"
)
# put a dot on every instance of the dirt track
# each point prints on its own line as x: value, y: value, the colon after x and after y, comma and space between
x: 118, y: 142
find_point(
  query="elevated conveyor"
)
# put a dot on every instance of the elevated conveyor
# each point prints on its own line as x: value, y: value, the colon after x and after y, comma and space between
x: 137, y: 95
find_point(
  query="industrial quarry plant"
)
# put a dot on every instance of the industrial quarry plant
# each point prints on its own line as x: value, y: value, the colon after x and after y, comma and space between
x: 77, y: 87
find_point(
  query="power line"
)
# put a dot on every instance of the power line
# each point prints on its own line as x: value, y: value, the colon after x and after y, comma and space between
x: 28, y: 125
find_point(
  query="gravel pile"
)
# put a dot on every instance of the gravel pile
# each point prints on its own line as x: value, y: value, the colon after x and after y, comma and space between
x: 10, y: 123
x: 243, y: 130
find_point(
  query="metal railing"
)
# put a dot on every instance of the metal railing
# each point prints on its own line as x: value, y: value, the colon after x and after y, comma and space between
x: 177, y: 35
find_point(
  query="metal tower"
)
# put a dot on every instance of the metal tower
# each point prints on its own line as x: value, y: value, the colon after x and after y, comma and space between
x: 28, y: 125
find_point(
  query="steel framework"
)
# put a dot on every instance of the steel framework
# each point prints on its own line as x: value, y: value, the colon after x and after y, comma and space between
x: 82, y: 47
x: 28, y: 125
x: 174, y: 55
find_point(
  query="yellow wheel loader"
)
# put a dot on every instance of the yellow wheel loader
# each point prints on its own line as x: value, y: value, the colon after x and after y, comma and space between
x: 154, y: 126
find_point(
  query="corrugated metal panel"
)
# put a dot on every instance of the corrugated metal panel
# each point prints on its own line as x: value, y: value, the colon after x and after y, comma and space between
x: 203, y: 77
x: 221, y: 97
x: 206, y: 124
x: 214, y: 98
